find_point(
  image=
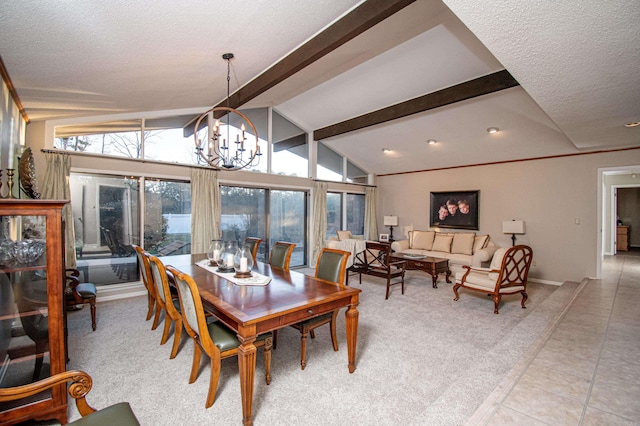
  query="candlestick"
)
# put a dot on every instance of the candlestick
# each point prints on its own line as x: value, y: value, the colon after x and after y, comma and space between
x: 1, y: 184
x: 10, y: 183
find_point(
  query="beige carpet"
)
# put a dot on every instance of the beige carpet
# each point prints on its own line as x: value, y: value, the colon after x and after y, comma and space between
x: 421, y: 359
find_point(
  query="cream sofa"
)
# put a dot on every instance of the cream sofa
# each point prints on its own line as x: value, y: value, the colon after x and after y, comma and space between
x: 461, y: 248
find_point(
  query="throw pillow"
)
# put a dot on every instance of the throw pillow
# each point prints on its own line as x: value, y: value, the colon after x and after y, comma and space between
x: 496, y: 263
x: 463, y: 243
x: 343, y: 235
x: 442, y: 243
x: 480, y: 242
x: 422, y: 240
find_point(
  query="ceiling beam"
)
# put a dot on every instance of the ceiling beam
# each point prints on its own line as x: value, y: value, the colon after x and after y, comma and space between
x: 477, y: 87
x: 360, y: 19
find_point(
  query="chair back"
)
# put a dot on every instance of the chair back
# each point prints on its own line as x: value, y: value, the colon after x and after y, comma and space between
x: 332, y: 265
x: 253, y: 244
x: 193, y: 317
x: 145, y: 270
x: 281, y: 254
x: 159, y: 274
x: 515, y: 266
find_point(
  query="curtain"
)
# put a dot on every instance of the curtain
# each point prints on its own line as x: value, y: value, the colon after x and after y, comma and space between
x: 56, y: 187
x: 319, y: 219
x: 205, y: 209
x: 370, y: 219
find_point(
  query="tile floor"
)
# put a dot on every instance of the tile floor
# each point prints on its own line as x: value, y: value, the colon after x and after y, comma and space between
x: 585, y: 370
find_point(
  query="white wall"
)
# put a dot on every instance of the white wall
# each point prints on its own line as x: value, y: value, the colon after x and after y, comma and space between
x: 549, y: 195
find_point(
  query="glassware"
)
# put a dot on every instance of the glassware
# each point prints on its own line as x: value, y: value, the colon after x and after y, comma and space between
x: 27, y: 251
x: 243, y: 261
x: 226, y: 262
x: 216, y: 248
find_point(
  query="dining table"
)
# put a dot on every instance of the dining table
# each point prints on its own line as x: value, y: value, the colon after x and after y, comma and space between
x: 250, y: 310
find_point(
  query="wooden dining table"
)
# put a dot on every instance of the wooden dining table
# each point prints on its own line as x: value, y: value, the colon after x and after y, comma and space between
x: 289, y: 298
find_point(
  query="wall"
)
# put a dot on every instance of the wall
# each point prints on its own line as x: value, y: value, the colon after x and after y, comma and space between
x: 549, y: 195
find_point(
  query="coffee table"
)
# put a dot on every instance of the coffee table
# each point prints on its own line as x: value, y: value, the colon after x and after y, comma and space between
x: 431, y: 265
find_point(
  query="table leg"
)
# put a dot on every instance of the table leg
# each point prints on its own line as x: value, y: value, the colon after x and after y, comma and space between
x: 247, y: 366
x: 351, y: 319
x: 434, y: 277
x: 448, y: 275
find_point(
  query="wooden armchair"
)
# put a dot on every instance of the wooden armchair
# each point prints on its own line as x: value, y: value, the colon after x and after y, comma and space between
x: 165, y: 301
x: 254, y: 245
x: 507, y: 274
x: 118, y: 414
x: 147, y: 279
x: 77, y: 293
x: 280, y: 256
x: 374, y: 260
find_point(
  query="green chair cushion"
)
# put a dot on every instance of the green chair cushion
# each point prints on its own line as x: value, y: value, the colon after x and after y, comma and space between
x: 225, y: 338
x: 318, y: 319
x: 118, y: 414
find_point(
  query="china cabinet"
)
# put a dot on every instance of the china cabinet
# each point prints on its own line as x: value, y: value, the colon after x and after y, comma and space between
x: 32, y: 321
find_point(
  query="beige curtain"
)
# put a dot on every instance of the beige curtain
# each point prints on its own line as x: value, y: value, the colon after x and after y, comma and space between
x: 205, y: 209
x: 370, y: 218
x: 319, y: 220
x: 56, y: 187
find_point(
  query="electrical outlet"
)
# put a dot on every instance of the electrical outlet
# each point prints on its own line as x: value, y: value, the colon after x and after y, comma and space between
x: 533, y: 263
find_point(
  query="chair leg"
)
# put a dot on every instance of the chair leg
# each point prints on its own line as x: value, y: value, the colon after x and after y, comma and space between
x: 303, y: 349
x: 213, y: 384
x: 403, y: 282
x: 150, y: 301
x: 455, y: 291
x: 388, y: 288
x: 525, y: 296
x: 92, y: 302
x: 177, y: 335
x: 496, y: 302
x: 267, y: 359
x: 275, y: 339
x: 197, y: 353
x: 334, y: 335
x: 312, y: 333
x: 167, y: 326
x: 156, y: 319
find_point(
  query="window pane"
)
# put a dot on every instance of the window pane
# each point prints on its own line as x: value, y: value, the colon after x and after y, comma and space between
x: 118, y: 138
x: 167, y: 217
x: 329, y: 163
x: 334, y: 213
x: 260, y: 119
x: 288, y: 222
x: 355, y: 174
x: 165, y: 140
x: 355, y: 213
x: 290, y: 154
x: 244, y: 215
x: 106, y: 222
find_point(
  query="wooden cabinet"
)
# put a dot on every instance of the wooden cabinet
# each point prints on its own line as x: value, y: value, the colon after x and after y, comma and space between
x: 32, y: 321
x: 622, y: 238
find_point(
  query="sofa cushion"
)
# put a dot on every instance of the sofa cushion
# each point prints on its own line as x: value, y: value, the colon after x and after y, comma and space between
x: 343, y: 235
x: 480, y: 242
x: 463, y: 242
x: 442, y: 243
x: 422, y: 240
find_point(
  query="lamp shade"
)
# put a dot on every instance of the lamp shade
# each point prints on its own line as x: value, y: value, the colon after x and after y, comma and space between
x: 513, y: 227
x: 391, y: 221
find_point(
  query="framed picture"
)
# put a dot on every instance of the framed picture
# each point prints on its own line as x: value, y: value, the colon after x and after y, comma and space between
x: 455, y: 209
x: 384, y: 238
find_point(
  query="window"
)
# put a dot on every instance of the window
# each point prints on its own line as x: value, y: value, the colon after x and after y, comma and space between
x: 334, y: 213
x: 167, y: 217
x: 345, y: 205
x: 355, y: 213
x: 355, y: 174
x: 165, y: 139
x: 245, y: 212
x: 329, y: 163
x: 290, y: 152
x: 118, y: 138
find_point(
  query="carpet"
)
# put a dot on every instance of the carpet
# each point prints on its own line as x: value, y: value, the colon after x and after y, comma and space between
x: 421, y: 359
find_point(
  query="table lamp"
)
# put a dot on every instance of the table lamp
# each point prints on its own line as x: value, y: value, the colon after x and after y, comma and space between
x: 513, y: 227
x: 391, y: 221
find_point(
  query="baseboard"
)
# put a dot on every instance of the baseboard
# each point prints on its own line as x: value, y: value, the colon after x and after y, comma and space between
x: 120, y: 291
x: 537, y: 280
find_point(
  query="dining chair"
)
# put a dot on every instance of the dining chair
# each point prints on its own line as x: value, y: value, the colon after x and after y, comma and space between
x: 167, y: 303
x: 331, y: 266
x: 214, y: 338
x: 145, y: 274
x: 253, y: 244
x: 79, y: 293
x: 280, y: 256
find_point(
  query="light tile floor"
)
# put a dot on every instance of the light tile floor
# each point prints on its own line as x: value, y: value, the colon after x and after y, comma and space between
x: 586, y: 369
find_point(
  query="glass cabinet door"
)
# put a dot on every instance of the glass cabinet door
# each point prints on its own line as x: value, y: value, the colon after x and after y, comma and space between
x: 24, y: 310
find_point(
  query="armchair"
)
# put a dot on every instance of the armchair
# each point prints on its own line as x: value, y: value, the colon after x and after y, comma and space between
x: 374, y: 260
x: 253, y: 244
x: 77, y: 293
x: 117, y: 414
x: 507, y: 274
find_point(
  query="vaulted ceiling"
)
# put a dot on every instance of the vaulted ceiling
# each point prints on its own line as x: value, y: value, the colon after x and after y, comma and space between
x: 362, y: 76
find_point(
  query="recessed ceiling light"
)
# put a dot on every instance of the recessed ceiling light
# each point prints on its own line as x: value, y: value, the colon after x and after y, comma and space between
x: 431, y: 141
x: 493, y: 130
x: 386, y: 150
x: 632, y: 124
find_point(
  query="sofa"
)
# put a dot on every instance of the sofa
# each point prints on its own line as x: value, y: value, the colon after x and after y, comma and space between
x: 461, y: 248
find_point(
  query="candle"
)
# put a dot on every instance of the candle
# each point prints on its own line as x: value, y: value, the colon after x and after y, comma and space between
x: 243, y: 264
x: 11, y: 152
x: 230, y: 260
x: 216, y: 254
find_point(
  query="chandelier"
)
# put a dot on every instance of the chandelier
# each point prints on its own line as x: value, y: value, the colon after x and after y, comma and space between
x: 224, y: 145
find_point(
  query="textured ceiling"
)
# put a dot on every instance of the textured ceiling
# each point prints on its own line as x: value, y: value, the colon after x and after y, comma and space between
x: 578, y: 66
